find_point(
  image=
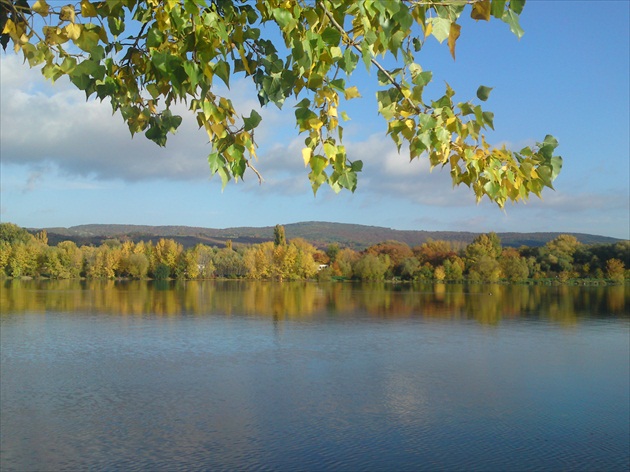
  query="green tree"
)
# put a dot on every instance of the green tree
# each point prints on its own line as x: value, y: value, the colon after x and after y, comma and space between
x: 145, y: 56
x: 162, y: 271
x: 454, y: 268
x: 138, y: 265
x: 481, y: 257
x: 50, y: 264
x: 305, y: 266
x: 410, y: 268
x: 513, y: 265
x: 71, y: 258
x: 279, y: 237
x: 344, y: 262
x: 558, y: 253
x: 331, y: 251
x: 372, y: 267
x: 12, y: 233
x: 229, y: 263
x: 22, y: 261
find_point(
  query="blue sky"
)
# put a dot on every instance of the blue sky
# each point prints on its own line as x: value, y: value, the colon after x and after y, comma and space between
x: 65, y: 161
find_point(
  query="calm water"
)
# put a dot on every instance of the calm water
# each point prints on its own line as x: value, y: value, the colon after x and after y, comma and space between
x: 262, y: 376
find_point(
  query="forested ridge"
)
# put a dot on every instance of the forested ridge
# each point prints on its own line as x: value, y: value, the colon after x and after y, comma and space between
x: 318, y: 233
x: 485, y: 259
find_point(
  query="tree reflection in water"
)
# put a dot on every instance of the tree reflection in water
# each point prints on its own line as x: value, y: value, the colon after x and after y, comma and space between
x: 486, y: 304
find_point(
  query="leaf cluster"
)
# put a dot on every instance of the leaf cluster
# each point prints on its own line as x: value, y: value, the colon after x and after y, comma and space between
x: 145, y: 56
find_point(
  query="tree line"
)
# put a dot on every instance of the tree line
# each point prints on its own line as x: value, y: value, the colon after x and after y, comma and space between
x: 562, y: 259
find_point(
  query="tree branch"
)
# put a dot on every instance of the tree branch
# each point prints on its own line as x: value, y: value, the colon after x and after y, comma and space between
x: 346, y: 39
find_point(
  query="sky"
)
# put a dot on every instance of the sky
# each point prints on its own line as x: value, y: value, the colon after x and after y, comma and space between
x: 67, y: 162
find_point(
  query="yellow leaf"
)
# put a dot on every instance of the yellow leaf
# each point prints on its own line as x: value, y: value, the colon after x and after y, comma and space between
x: 73, y: 31
x: 67, y: 13
x: 87, y: 9
x: 351, y: 92
x: 170, y: 4
x: 330, y: 150
x: 481, y: 10
x: 241, y: 52
x: 452, y: 37
x: 54, y: 35
x: 306, y: 155
x: 428, y: 30
x: 315, y: 124
x: 9, y: 27
x: 41, y: 7
x: 218, y: 129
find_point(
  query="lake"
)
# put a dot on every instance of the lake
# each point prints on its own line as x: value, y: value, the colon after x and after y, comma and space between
x: 234, y: 375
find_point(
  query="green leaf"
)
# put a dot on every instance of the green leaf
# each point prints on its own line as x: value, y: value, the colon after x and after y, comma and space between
x: 348, y: 180
x: 190, y: 6
x: 349, y: 61
x: 483, y: 93
x: 154, y: 37
x: 283, y: 17
x: 222, y: 69
x: 492, y: 189
x: 224, y: 173
x: 517, y: 6
x: 423, y: 78
x: 548, y: 146
x: 171, y: 123
x: 511, y: 19
x: 357, y: 166
x: 498, y: 7
x: 440, y: 28
x: 426, y: 122
x: 331, y: 36
x: 156, y: 134
x: 82, y: 82
x: 318, y: 164
x: 317, y: 180
x: 87, y: 41
x: 116, y: 25
x: 488, y: 118
x: 253, y: 120
x: 556, y: 164
x: 215, y: 161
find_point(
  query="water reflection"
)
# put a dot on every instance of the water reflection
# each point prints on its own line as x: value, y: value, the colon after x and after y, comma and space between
x: 233, y: 375
x: 487, y: 304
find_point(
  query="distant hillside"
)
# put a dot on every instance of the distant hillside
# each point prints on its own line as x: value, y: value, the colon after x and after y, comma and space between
x: 321, y: 234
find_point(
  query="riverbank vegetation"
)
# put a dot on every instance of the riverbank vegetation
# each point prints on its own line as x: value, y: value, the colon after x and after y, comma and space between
x: 562, y: 260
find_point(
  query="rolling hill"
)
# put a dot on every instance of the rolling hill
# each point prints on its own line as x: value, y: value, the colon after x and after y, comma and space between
x: 321, y: 234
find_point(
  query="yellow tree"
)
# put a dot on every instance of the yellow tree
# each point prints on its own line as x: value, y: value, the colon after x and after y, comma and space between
x: 5, y: 252
x: 615, y: 270
x: 167, y: 252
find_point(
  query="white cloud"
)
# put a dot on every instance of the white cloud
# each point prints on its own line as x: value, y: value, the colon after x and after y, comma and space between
x: 54, y: 124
